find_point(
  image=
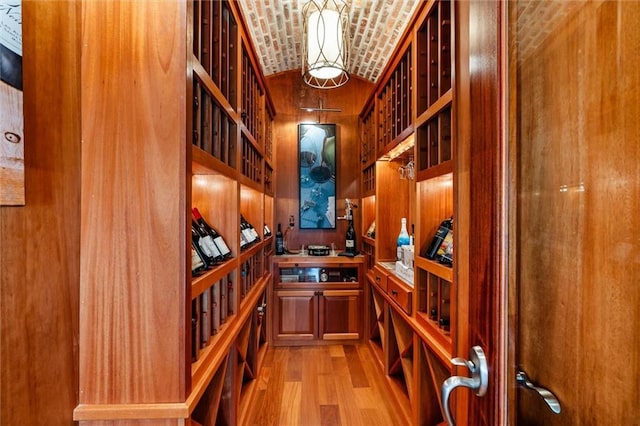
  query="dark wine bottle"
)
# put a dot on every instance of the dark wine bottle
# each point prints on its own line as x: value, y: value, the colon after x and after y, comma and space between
x: 201, y: 248
x: 205, y: 320
x: 207, y: 245
x: 444, y: 323
x: 218, y: 240
x: 350, y: 242
x: 197, y: 264
x: 279, y: 241
x: 439, y: 236
x: 224, y: 304
x: 194, y: 331
x: 267, y: 231
x: 245, y: 236
x: 252, y: 230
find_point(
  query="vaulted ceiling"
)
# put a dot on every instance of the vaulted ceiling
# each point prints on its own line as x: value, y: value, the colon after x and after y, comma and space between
x: 376, y: 27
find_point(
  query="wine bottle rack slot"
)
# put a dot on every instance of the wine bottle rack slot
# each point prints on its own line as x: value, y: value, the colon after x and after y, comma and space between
x: 268, y: 180
x: 268, y: 136
x: 215, y: 35
x: 369, y: 180
x: 251, y: 271
x: 434, y: 140
x: 367, y: 136
x: 213, y: 130
x: 394, y: 103
x: 434, y: 56
x: 251, y: 161
x: 210, y: 311
x: 436, y: 301
x: 252, y: 98
x: 369, y: 250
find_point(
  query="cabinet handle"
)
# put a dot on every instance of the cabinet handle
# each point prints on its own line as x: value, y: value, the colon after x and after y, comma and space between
x: 377, y: 278
x: 547, y: 395
x: 394, y: 292
x: 478, y: 381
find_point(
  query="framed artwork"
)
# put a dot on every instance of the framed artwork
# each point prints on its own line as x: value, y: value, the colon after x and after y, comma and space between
x: 317, y: 148
x: 11, y: 116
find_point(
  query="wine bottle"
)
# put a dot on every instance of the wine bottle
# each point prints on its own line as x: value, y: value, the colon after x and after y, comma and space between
x: 245, y: 236
x: 371, y: 232
x: 197, y: 264
x: 218, y: 240
x: 439, y: 236
x: 202, y: 247
x: 350, y: 243
x: 255, y: 237
x: 194, y: 331
x: 205, y: 320
x: 279, y: 241
x: 444, y: 254
x: 403, y: 238
x: 267, y: 231
x: 245, y: 229
x: 206, y: 239
x: 224, y: 304
x: 215, y: 309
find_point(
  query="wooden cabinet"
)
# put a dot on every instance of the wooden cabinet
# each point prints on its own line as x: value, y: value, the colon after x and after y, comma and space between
x: 295, y: 315
x: 317, y: 299
x: 156, y: 344
x: 408, y: 122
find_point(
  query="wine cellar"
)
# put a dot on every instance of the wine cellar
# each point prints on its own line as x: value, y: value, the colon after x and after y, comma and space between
x: 210, y: 236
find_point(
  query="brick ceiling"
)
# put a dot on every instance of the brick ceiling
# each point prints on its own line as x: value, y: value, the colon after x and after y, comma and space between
x: 376, y: 27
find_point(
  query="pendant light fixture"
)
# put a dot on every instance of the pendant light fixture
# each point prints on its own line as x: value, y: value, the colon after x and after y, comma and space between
x: 325, y: 47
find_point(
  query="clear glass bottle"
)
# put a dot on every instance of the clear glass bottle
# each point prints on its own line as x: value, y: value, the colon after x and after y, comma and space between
x: 403, y: 238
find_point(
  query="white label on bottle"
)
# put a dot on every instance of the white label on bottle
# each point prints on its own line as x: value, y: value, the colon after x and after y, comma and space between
x: 224, y: 249
x: 196, y: 262
x: 349, y: 244
x: 212, y: 246
x: 247, y: 235
x: 205, y: 248
x: 208, y: 247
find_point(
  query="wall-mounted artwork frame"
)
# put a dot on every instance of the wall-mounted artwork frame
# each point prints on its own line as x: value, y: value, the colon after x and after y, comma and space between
x: 12, y: 192
x: 317, y: 160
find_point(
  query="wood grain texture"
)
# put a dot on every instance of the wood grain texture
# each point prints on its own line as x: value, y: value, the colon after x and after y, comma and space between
x: 579, y: 180
x: 132, y: 270
x: 40, y: 242
x: 338, y: 385
x: 290, y: 94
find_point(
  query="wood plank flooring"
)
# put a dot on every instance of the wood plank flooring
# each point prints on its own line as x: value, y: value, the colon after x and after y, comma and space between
x: 321, y: 385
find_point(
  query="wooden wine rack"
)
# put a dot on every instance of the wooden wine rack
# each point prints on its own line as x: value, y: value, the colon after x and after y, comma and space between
x: 394, y: 105
x: 412, y: 325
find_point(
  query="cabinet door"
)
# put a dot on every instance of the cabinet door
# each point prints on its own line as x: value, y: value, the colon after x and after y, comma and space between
x: 295, y: 315
x: 340, y: 317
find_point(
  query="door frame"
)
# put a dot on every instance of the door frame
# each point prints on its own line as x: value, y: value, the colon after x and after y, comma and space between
x: 482, y: 208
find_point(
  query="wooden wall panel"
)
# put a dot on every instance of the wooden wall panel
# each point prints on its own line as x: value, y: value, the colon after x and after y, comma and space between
x: 290, y: 94
x: 132, y: 269
x: 40, y: 242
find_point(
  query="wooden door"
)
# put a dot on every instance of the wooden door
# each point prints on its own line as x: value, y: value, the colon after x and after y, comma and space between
x: 340, y: 317
x: 549, y: 179
x: 574, y: 99
x: 295, y: 316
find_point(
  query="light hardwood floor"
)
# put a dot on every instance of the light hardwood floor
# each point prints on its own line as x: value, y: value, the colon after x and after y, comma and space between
x: 321, y: 385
